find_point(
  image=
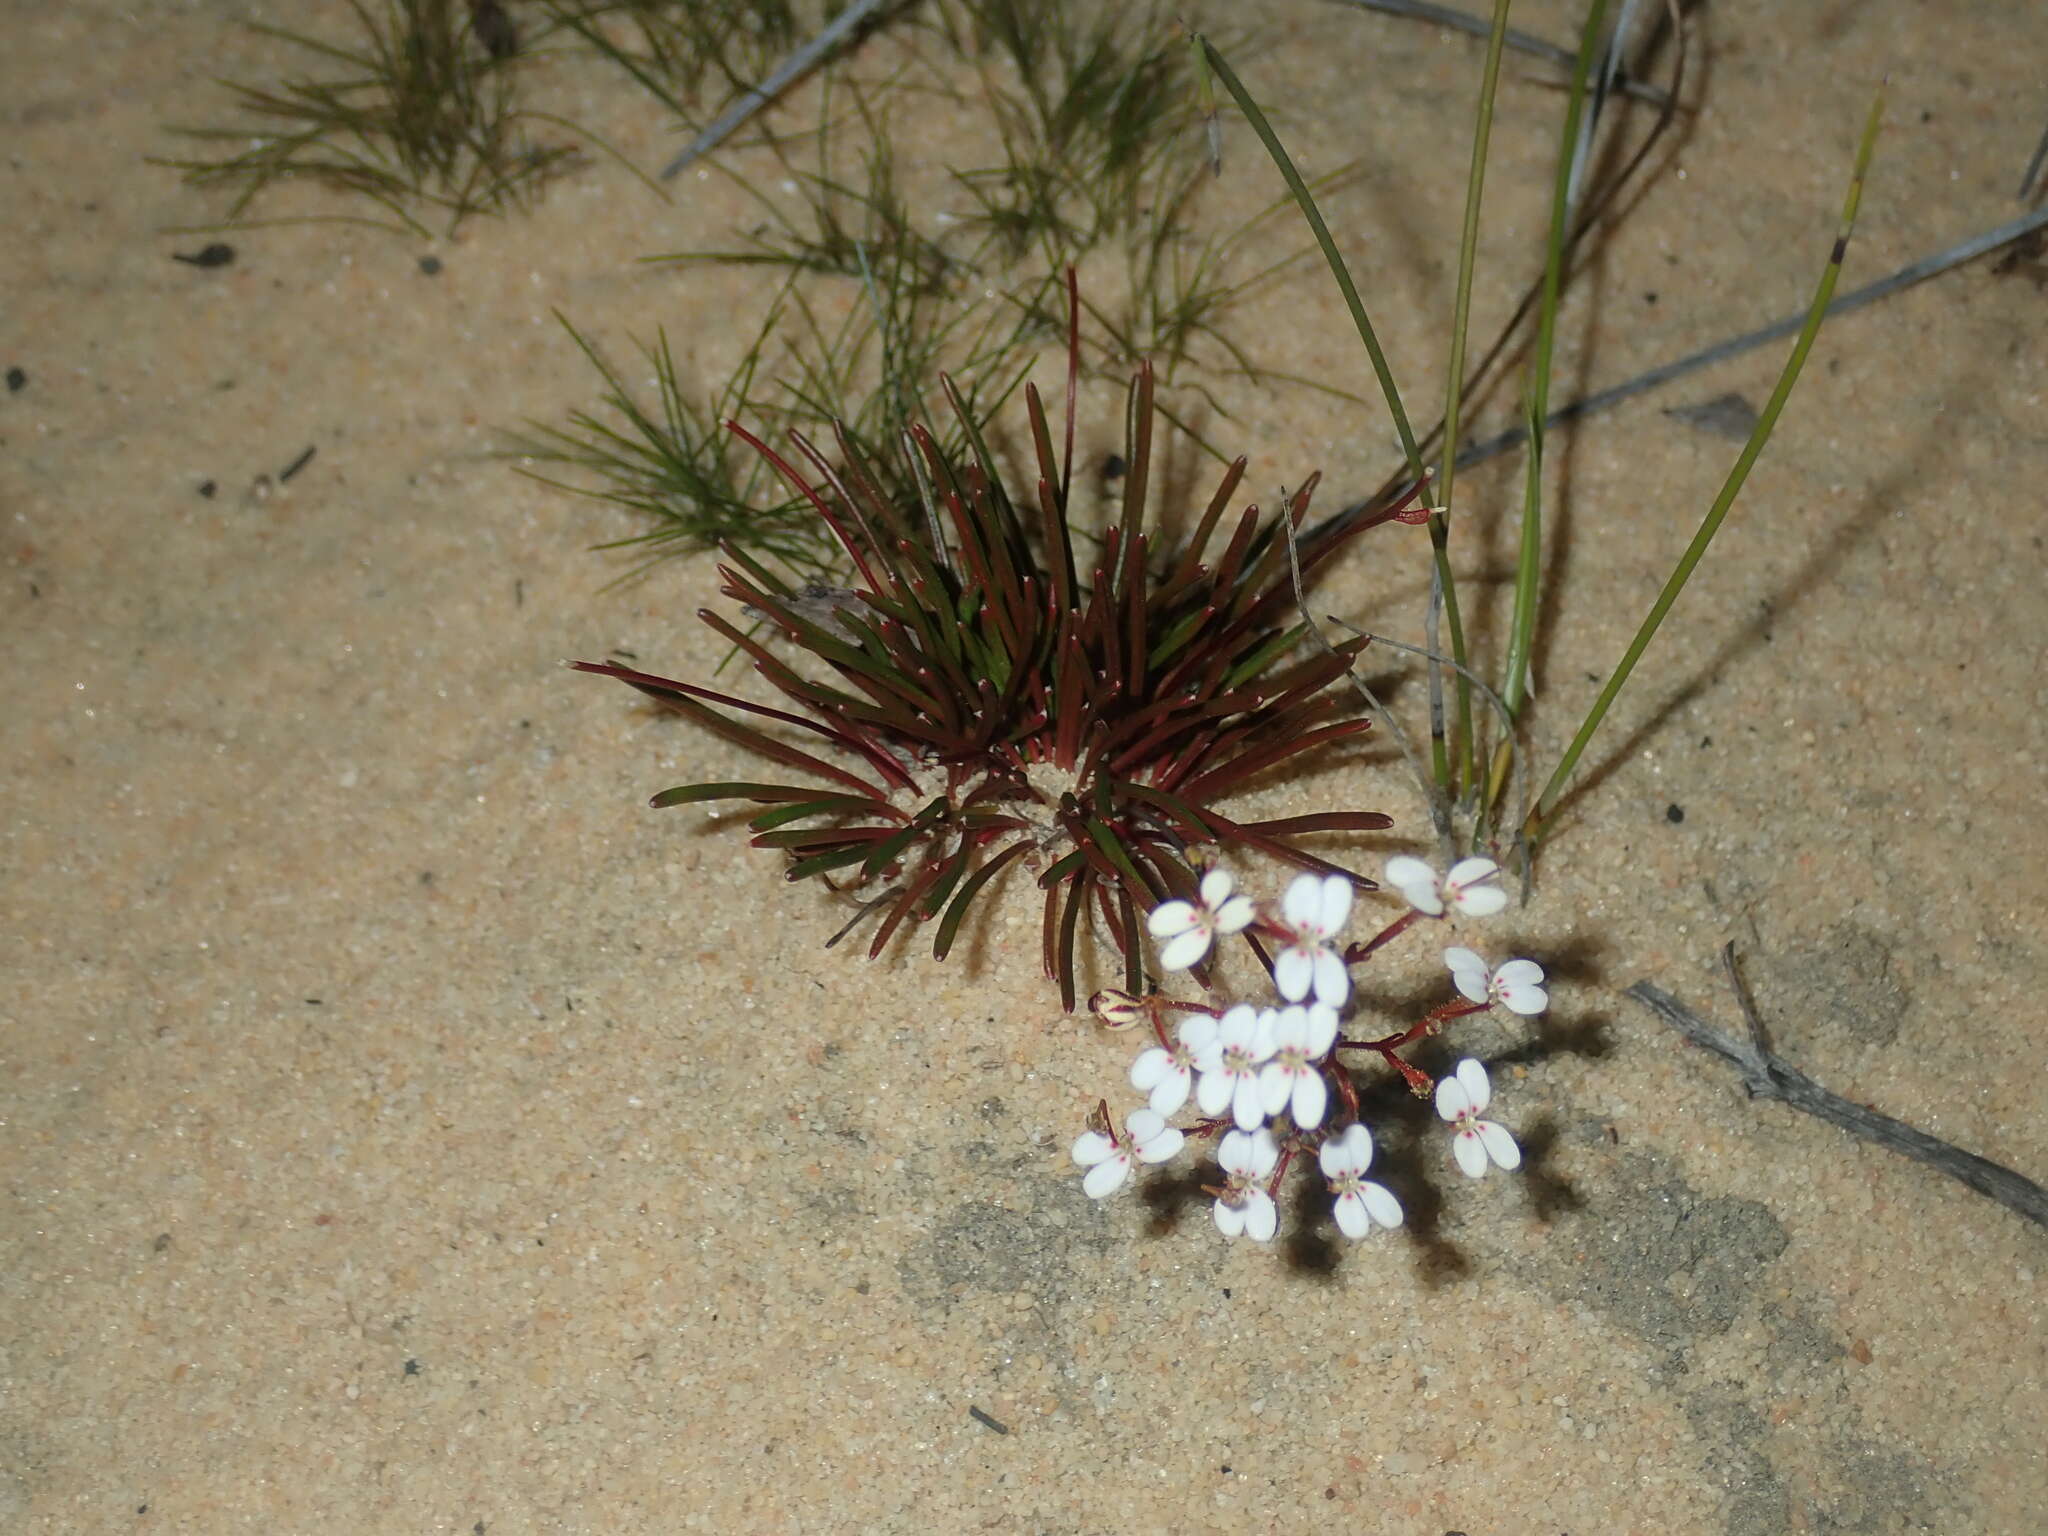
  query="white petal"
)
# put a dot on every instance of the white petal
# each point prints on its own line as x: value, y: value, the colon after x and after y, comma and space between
x: 1354, y: 1150
x: 1261, y: 1216
x: 1212, y: 1093
x: 1151, y: 1068
x: 1500, y: 1146
x: 1416, y: 882
x: 1247, y: 1108
x: 1303, y: 903
x: 1265, y: 1154
x: 1144, y: 1124
x: 1276, y: 1087
x: 1381, y: 1204
x: 1091, y: 1147
x: 1477, y: 1089
x: 1470, y: 1154
x: 1229, y: 1219
x: 1519, y: 985
x: 1106, y: 1178
x: 1351, y: 1218
x: 1520, y: 973
x: 1310, y: 1100
x: 1184, y: 950
x: 1234, y: 1152
x: 1216, y: 887
x: 1170, y: 918
x: 1171, y: 1092
x: 1290, y: 1027
x: 1239, y: 1026
x: 1468, y: 973
x: 1451, y: 1098
x: 1294, y: 971
x: 1474, y: 887
x: 1167, y: 1144
x: 1334, y: 907
x: 1332, y: 979
x: 1321, y: 1033
x: 1235, y: 915
x: 1336, y: 1156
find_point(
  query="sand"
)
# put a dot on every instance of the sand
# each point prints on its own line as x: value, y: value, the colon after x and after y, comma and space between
x: 405, y: 1129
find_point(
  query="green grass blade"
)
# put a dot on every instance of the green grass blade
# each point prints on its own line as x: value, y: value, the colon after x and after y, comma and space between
x: 1454, y: 399
x: 1529, y: 561
x: 1767, y: 421
x: 1306, y: 202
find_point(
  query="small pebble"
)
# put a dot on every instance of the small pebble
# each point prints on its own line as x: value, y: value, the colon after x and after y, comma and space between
x: 215, y: 255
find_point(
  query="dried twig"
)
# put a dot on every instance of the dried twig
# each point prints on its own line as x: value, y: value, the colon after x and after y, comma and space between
x: 1522, y: 42
x: 1870, y: 293
x: 1768, y: 1076
x: 765, y: 92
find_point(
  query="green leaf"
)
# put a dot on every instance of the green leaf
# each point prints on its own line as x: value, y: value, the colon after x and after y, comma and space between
x: 767, y: 821
x: 803, y: 869
x: 762, y: 794
x: 886, y: 851
x: 949, y: 925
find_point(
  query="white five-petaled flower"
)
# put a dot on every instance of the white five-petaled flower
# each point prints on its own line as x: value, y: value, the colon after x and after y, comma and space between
x: 1229, y: 1061
x: 1167, y: 1072
x: 1315, y: 908
x: 1245, y: 1207
x: 1186, y: 929
x: 1472, y: 888
x: 1461, y: 1099
x: 1147, y: 1138
x: 1360, y: 1202
x: 1293, y: 1079
x: 1517, y: 986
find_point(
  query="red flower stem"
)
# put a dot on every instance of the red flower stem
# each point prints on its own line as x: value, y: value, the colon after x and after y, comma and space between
x: 1386, y: 1046
x: 1431, y: 1023
x: 1387, y: 935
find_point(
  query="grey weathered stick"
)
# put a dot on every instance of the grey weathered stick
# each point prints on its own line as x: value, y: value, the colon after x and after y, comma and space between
x: 763, y: 93
x: 2034, y: 165
x: 1769, y: 1077
x: 1521, y: 42
x: 1870, y: 293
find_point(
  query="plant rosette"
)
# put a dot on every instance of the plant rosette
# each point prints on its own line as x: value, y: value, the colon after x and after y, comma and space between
x: 980, y: 695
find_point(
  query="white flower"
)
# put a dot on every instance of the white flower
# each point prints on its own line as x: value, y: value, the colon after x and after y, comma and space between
x: 1167, y: 1072
x: 1147, y: 1138
x: 1293, y: 1079
x: 1186, y: 929
x: 1229, y: 1062
x: 1516, y: 986
x: 1360, y: 1202
x: 1472, y: 887
x: 1461, y: 1100
x: 1244, y: 1207
x: 1315, y: 908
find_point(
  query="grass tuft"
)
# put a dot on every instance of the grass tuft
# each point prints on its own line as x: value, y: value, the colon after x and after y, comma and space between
x: 416, y: 114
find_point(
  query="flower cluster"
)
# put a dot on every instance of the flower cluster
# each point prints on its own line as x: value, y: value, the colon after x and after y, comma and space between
x: 1268, y: 1081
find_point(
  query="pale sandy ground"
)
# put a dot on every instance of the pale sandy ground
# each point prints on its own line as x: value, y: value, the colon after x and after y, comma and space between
x: 406, y: 1130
